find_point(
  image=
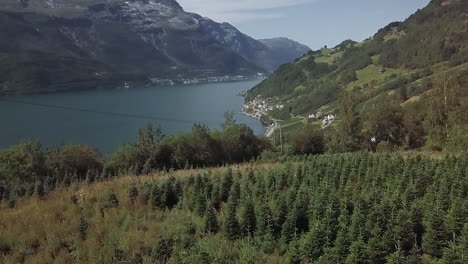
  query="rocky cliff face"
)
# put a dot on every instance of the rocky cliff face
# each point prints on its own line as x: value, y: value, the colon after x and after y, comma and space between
x: 107, y: 41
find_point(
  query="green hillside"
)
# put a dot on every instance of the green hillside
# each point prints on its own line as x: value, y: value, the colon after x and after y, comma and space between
x: 419, y: 62
x: 400, y: 52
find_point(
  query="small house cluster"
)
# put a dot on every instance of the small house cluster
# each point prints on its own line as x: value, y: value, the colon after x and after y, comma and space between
x: 327, y: 119
x: 259, y: 107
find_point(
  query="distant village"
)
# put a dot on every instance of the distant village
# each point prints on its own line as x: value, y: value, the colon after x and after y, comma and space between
x: 212, y: 79
x: 259, y: 108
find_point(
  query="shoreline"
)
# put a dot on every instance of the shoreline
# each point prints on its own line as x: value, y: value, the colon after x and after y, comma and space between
x: 270, y: 129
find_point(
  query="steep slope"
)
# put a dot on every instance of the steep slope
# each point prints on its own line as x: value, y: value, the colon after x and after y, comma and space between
x: 403, y: 55
x: 109, y: 42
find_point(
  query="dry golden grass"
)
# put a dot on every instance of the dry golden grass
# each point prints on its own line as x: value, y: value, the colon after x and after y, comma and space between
x: 46, y: 230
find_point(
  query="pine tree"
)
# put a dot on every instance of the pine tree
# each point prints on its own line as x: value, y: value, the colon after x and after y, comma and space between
x: 453, y: 254
x: 200, y: 203
x: 83, y: 228
x: 435, y: 236
x: 163, y: 250
x: 231, y: 226
x: 132, y: 193
x: 403, y: 231
x: 211, y: 221
x: 226, y: 184
x: 282, y: 215
x: 314, y: 242
x: 357, y: 253
x: 454, y: 219
x: 112, y: 199
x: 249, y: 221
x: 264, y: 219
x: 288, y: 230
x: 157, y: 201
x: 395, y: 258
x: 234, y: 194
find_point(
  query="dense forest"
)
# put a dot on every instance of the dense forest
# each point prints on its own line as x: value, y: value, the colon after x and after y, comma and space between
x: 341, y: 208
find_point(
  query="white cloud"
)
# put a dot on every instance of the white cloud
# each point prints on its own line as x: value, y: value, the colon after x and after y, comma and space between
x: 235, y: 11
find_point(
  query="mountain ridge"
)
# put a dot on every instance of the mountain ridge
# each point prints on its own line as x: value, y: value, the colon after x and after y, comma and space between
x: 157, y: 38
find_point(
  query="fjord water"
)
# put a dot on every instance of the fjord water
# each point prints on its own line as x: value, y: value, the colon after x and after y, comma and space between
x: 108, y: 118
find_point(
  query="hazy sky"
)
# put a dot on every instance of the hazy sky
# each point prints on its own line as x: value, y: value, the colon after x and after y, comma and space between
x: 312, y: 22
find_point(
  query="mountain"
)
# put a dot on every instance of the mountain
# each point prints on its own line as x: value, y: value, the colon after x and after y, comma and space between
x: 404, y: 58
x: 83, y: 44
x: 286, y: 50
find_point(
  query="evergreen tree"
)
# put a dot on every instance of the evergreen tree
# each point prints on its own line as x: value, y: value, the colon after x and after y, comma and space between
x: 435, y: 236
x: 112, y: 199
x: 226, y: 184
x: 264, y: 219
x: 357, y: 253
x: 314, y: 242
x: 454, y: 219
x: 249, y: 221
x: 281, y: 216
x: 163, y: 250
x: 288, y: 230
x: 403, y: 231
x: 157, y: 198
x: 453, y: 254
x: 234, y: 194
x: 83, y: 228
x: 231, y: 225
x: 200, y: 203
x: 395, y: 258
x: 211, y: 221
x: 132, y: 193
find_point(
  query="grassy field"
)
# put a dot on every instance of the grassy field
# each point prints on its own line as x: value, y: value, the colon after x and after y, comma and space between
x: 47, y: 229
x: 293, y: 124
x: 374, y: 75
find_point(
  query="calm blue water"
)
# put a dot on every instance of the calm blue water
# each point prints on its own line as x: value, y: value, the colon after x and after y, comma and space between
x: 106, y: 119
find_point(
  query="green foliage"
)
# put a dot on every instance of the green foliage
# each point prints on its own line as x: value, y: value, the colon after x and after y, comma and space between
x: 231, y: 224
x: 398, y: 61
x: 308, y: 140
x: 347, y: 137
x: 385, y: 123
x: 248, y: 219
x: 211, y: 221
x: 133, y: 193
x: 163, y: 250
x: 343, y: 208
x: 22, y: 163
